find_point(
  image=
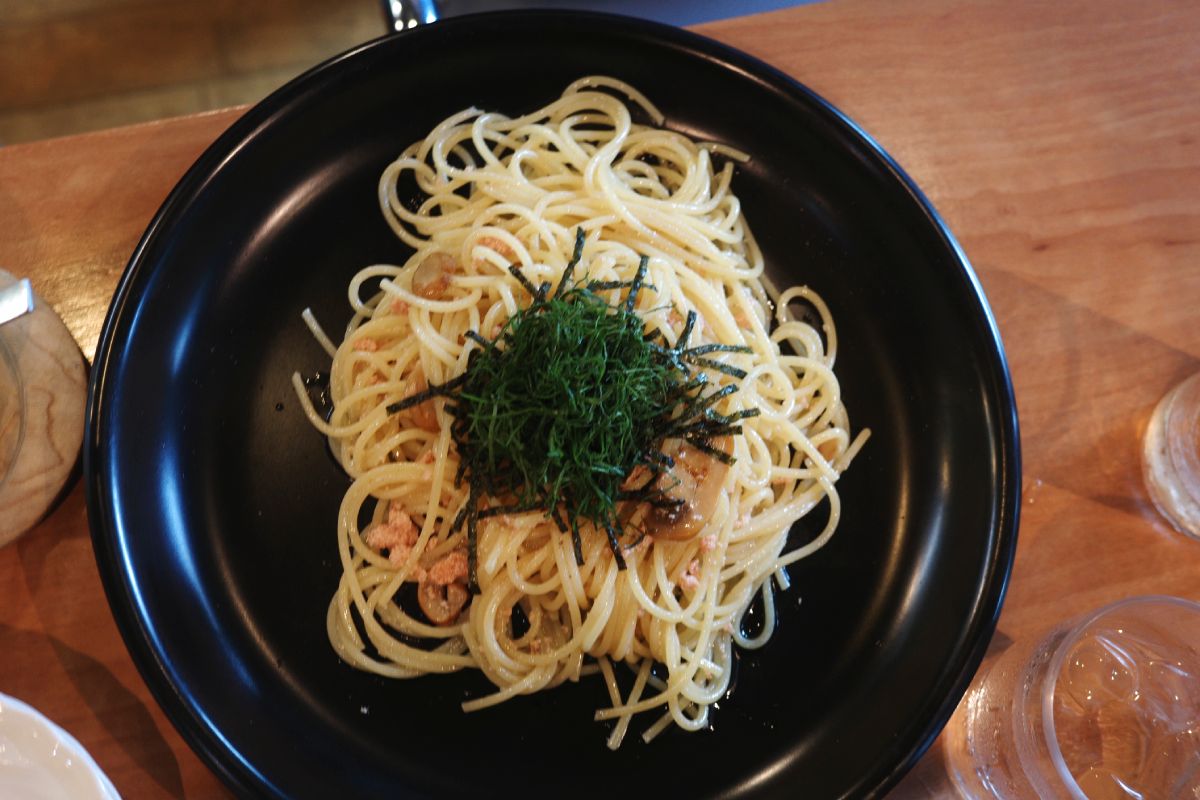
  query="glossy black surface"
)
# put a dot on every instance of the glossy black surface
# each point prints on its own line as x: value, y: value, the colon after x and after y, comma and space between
x: 213, y: 502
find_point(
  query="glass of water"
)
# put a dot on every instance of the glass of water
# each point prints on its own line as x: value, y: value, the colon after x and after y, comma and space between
x: 1171, y: 456
x: 1105, y: 707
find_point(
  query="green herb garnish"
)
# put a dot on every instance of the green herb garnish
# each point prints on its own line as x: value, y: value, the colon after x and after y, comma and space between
x: 571, y: 398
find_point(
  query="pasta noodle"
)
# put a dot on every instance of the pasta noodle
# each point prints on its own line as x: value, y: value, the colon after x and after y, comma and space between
x: 498, y: 193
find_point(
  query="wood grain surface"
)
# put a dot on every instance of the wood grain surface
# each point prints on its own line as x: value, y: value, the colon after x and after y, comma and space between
x: 68, y: 66
x: 1061, y: 142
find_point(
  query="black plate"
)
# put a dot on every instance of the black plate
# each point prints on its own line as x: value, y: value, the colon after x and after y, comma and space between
x: 213, y: 502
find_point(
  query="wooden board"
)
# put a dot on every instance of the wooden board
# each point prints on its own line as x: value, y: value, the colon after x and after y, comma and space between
x: 42, y: 397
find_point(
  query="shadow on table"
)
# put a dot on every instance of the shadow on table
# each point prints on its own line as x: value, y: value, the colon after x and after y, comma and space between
x: 116, y: 708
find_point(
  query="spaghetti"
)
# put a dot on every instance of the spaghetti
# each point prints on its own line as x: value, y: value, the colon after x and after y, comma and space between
x: 508, y: 207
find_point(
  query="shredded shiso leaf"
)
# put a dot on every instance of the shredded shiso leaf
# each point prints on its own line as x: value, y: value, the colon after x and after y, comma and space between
x: 569, y: 399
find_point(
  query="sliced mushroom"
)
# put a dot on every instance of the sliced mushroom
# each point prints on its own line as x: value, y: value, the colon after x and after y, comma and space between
x: 442, y: 603
x: 432, y: 276
x: 696, y: 481
x: 423, y: 415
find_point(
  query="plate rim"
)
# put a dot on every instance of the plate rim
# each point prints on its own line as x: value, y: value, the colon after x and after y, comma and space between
x: 14, y: 711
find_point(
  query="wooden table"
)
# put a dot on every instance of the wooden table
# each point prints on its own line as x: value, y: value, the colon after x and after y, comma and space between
x: 1061, y: 141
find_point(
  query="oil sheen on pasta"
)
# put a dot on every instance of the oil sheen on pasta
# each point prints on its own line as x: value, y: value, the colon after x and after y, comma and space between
x: 498, y: 192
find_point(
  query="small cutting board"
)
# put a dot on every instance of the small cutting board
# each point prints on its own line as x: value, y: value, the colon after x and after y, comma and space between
x: 43, y: 390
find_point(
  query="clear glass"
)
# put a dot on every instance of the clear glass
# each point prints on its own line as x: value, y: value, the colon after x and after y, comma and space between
x: 1171, y: 456
x: 1103, y: 708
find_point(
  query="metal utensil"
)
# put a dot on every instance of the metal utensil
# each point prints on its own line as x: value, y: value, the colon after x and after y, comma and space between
x: 404, y: 14
x: 16, y: 300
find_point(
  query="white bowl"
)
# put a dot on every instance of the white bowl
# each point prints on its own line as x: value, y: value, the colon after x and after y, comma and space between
x: 41, y: 761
